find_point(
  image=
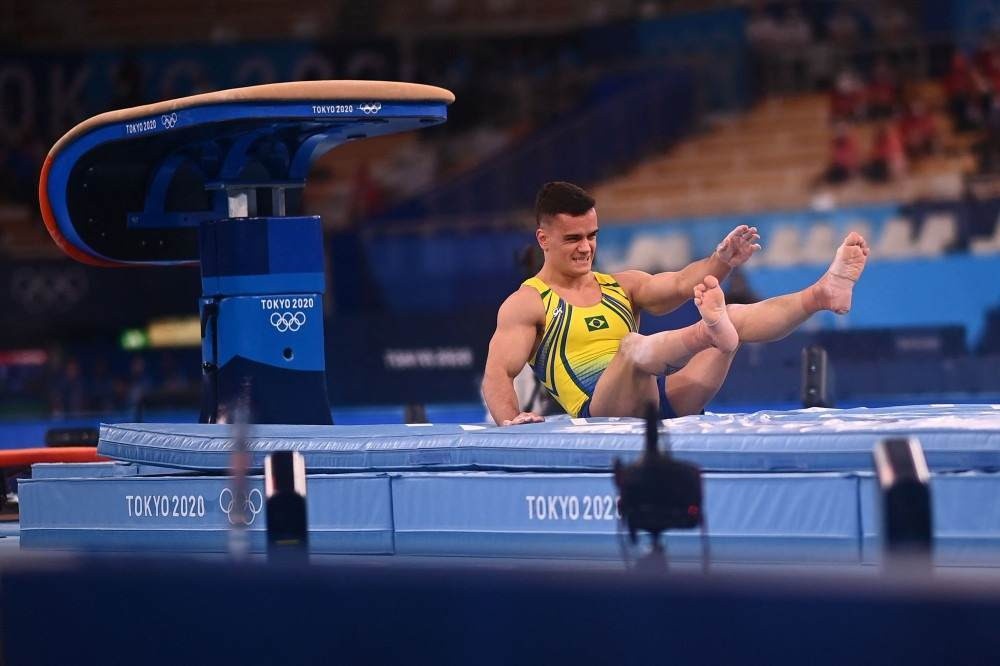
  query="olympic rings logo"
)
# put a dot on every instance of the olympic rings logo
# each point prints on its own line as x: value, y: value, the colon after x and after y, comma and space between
x: 169, y: 121
x: 371, y: 108
x: 253, y: 504
x: 288, y: 321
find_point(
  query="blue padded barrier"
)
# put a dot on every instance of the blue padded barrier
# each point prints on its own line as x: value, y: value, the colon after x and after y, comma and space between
x: 778, y: 517
x: 954, y: 437
x: 347, y: 513
x: 965, y: 519
x: 752, y: 517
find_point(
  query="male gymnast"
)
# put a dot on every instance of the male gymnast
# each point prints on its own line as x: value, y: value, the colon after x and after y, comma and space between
x: 578, y: 329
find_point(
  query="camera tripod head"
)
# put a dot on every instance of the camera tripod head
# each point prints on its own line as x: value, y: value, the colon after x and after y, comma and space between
x: 657, y: 492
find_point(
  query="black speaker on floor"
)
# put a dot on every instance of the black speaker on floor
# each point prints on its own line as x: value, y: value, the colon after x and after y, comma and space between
x: 287, y: 522
x: 905, y: 497
x: 817, y: 377
x: 415, y: 412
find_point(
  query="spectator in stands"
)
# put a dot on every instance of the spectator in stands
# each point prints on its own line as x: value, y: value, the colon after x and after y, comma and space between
x: 127, y: 84
x: 845, y: 155
x: 366, y: 194
x: 761, y: 29
x: 892, y: 24
x: 102, y: 388
x: 842, y: 26
x: 174, y: 379
x: 69, y: 393
x: 918, y: 130
x: 8, y: 182
x: 139, y: 382
x: 987, y: 150
x: 882, y: 92
x: 888, y: 158
x: 847, y: 99
x: 983, y: 60
x: 795, y: 31
x: 20, y: 166
x: 962, y: 87
x: 791, y: 41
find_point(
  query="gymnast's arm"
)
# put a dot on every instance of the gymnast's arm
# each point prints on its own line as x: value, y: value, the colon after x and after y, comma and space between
x: 665, y: 292
x: 518, y: 321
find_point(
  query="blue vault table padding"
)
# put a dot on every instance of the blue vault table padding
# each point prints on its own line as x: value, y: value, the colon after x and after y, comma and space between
x: 954, y: 437
x: 347, y: 513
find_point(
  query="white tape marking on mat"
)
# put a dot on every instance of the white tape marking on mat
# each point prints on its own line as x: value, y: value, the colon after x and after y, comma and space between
x: 467, y: 428
x: 419, y: 425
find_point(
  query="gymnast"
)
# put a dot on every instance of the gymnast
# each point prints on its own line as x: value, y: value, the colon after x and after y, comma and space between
x: 578, y: 329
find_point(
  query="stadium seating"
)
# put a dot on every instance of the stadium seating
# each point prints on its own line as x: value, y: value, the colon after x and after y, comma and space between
x: 986, y: 245
x: 769, y: 159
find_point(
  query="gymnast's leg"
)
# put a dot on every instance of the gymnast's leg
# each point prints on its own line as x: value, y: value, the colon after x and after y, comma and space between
x: 629, y: 384
x: 691, y: 388
x: 774, y: 318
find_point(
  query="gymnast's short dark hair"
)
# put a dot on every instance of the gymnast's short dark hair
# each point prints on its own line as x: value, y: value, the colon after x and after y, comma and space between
x: 560, y: 197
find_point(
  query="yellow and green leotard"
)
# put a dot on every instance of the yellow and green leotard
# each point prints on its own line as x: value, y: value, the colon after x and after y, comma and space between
x: 578, y: 343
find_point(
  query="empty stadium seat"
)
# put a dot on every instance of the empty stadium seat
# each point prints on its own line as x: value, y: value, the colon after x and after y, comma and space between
x: 861, y: 227
x: 820, y: 244
x: 896, y: 241
x: 988, y: 245
x: 784, y: 248
x: 654, y: 254
x: 937, y: 234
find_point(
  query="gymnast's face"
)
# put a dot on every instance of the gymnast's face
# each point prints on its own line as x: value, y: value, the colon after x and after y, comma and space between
x: 569, y: 242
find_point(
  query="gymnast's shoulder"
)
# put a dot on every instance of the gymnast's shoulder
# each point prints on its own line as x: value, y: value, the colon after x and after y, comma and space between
x: 523, y: 306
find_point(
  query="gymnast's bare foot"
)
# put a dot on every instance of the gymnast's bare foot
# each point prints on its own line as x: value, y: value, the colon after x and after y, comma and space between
x: 711, y: 304
x: 833, y: 291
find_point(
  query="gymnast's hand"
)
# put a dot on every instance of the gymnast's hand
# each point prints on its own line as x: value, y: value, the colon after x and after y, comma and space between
x: 523, y: 417
x: 736, y: 248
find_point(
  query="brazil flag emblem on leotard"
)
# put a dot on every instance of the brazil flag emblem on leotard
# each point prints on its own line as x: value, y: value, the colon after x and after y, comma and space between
x: 596, y: 323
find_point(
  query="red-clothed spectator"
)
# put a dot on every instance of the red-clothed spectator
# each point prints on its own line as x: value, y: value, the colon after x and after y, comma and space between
x: 888, y: 158
x: 882, y: 93
x: 366, y: 196
x: 845, y: 155
x: 969, y: 93
x: 992, y: 71
x: 958, y: 81
x: 984, y: 60
x: 847, y: 99
x: 918, y: 130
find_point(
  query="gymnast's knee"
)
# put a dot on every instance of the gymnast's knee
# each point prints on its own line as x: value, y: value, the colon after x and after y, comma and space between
x: 632, y: 349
